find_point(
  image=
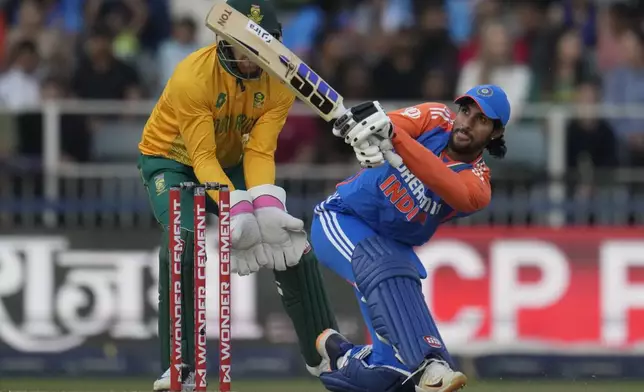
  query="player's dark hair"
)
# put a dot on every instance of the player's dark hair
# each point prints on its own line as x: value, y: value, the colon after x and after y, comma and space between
x: 496, y: 147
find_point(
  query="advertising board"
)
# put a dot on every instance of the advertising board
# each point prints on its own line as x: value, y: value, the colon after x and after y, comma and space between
x: 84, y: 303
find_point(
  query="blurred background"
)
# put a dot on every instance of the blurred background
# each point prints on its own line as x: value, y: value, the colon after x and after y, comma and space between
x: 547, y: 283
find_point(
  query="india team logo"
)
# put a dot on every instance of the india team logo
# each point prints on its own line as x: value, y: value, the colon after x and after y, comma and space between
x: 484, y: 92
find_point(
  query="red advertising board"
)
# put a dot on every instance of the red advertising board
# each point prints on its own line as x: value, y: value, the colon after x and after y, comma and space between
x: 569, y: 288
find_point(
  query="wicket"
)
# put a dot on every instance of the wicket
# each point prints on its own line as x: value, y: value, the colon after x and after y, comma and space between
x: 176, y: 249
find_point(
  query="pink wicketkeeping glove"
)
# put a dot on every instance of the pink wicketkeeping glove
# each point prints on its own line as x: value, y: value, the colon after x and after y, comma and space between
x: 247, y: 252
x: 283, y: 235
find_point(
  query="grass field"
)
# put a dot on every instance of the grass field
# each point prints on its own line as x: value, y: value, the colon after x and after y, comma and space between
x: 122, y: 385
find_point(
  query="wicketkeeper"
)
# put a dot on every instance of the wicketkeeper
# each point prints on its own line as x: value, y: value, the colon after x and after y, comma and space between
x: 218, y: 120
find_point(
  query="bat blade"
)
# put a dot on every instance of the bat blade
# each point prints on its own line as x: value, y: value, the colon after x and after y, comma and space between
x: 276, y: 59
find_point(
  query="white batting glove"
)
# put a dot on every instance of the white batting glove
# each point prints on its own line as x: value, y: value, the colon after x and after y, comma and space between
x: 247, y: 252
x: 365, y: 122
x: 369, y: 155
x: 283, y: 235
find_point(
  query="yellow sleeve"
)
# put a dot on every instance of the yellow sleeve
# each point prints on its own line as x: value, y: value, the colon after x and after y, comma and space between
x: 259, y: 153
x: 198, y: 132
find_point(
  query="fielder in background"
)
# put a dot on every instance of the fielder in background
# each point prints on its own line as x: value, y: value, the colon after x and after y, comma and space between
x: 366, y: 230
x: 218, y: 120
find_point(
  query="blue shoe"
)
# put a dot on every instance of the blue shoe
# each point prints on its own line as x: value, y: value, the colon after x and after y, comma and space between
x: 333, y: 348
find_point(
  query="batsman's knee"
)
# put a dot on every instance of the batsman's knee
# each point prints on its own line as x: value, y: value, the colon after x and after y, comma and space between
x: 376, y: 259
x: 390, y: 283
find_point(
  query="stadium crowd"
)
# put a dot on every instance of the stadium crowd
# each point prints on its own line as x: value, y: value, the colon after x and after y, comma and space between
x: 563, y: 51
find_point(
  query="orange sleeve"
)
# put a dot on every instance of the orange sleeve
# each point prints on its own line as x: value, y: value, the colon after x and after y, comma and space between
x: 466, y: 191
x: 415, y: 120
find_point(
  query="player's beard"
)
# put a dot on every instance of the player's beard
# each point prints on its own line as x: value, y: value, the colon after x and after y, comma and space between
x: 244, y: 65
x: 470, y: 146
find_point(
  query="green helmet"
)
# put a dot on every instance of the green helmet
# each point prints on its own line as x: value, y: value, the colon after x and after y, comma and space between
x: 261, y: 12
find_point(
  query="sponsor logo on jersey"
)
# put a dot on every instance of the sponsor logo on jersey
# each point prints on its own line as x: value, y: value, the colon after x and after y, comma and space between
x: 409, y: 195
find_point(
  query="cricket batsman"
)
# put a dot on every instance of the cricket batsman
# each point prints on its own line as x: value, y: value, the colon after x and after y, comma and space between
x: 218, y: 120
x: 366, y: 232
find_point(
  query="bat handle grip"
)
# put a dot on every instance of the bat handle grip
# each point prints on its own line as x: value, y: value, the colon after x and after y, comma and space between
x: 394, y: 159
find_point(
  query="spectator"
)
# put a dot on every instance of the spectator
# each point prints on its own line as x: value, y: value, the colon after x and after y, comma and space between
x: 331, y: 50
x: 64, y: 14
x: 19, y: 86
x: 124, y: 29
x: 197, y: 10
x: 591, y: 150
x: 389, y: 16
x: 533, y: 31
x: 590, y: 140
x: 298, y: 141
x: 582, y: 15
x: 437, y: 53
x: 460, y: 16
x: 75, y: 140
x: 354, y: 82
x: 436, y: 87
x: 330, y: 150
x: 102, y: 76
x: 30, y: 26
x: 625, y: 85
x: 398, y: 76
x: 486, y: 12
x: 3, y: 37
x: 171, y: 52
x: 300, y: 31
x: 613, y: 22
x: 567, y: 66
x: 158, y: 25
x: 494, y: 64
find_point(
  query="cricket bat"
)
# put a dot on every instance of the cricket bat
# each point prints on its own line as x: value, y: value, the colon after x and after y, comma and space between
x: 276, y: 59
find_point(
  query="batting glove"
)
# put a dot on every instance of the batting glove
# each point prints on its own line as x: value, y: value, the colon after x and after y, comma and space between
x: 283, y: 235
x: 369, y: 155
x: 247, y: 252
x: 365, y: 122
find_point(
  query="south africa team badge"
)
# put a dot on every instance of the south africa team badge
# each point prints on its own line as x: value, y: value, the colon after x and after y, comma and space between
x: 255, y: 14
x: 159, y: 184
x: 258, y: 101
